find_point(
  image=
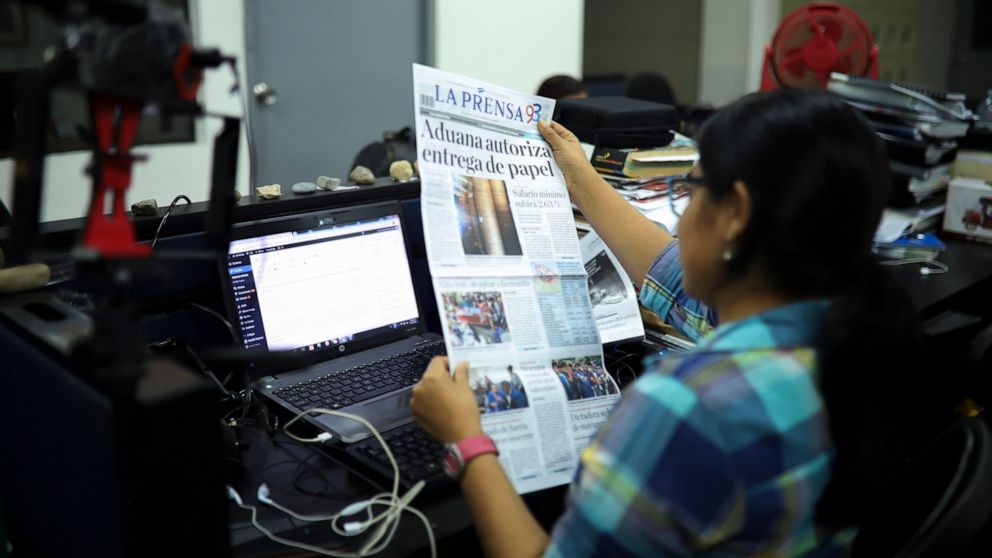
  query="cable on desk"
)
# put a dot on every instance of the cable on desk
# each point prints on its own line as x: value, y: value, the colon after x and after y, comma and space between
x: 930, y: 266
x: 621, y: 363
x: 165, y: 217
x: 384, y: 523
x: 303, y: 463
x: 175, y: 343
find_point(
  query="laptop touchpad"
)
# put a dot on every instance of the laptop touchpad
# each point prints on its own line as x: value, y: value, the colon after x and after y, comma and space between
x: 392, y: 409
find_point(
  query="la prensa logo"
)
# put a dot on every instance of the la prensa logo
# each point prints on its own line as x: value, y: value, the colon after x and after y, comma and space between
x: 479, y: 101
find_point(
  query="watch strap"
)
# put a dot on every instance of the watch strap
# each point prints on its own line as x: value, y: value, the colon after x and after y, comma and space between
x: 460, y: 453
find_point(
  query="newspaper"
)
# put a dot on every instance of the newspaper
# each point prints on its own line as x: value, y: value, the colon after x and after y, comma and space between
x: 614, y: 302
x: 508, y: 273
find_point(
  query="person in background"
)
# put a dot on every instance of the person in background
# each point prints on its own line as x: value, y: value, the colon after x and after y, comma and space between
x: 806, y: 386
x: 562, y: 87
x: 496, y: 399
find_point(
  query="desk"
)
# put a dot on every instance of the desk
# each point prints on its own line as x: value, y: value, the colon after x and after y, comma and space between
x: 313, y: 480
x: 964, y: 287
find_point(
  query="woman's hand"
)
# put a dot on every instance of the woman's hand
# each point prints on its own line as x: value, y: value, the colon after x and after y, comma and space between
x: 571, y: 159
x: 444, y: 405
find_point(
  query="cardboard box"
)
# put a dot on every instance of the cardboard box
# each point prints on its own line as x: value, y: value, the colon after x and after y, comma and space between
x: 969, y: 209
x: 974, y: 164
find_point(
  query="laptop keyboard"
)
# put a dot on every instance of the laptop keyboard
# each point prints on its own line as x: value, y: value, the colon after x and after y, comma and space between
x: 417, y: 455
x: 359, y: 383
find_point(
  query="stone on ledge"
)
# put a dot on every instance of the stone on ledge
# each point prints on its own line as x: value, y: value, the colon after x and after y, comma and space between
x: 144, y: 208
x: 362, y: 175
x: 304, y: 188
x: 401, y: 171
x: 328, y: 183
x: 268, y: 192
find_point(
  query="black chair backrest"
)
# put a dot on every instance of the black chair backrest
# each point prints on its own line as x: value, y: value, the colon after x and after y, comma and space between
x: 652, y: 87
x: 941, y: 501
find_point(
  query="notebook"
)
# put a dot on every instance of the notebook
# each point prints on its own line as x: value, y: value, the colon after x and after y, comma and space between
x: 336, y: 286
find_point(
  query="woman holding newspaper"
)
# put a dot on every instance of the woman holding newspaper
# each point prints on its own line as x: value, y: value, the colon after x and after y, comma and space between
x: 757, y: 440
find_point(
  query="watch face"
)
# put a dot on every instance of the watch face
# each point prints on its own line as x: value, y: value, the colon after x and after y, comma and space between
x: 452, y: 463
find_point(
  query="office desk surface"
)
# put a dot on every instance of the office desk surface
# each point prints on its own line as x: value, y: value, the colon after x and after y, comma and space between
x: 964, y: 287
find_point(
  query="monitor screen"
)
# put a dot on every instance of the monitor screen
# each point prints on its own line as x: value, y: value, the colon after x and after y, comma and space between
x: 322, y: 286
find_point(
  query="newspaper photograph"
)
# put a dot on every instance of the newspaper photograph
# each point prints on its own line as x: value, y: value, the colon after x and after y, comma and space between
x: 509, y: 276
x: 614, y: 302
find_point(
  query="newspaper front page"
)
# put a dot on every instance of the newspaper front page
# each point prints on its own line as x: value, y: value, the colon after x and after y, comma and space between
x: 509, y: 277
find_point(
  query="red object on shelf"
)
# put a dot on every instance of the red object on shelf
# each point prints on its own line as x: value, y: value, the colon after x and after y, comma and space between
x: 116, y: 123
x: 814, y: 40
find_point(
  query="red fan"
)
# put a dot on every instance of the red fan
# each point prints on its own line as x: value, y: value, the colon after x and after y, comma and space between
x: 817, y: 39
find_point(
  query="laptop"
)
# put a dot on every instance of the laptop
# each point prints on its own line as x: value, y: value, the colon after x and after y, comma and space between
x: 337, y: 287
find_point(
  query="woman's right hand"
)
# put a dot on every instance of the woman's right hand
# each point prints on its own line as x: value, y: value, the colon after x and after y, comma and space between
x: 568, y: 153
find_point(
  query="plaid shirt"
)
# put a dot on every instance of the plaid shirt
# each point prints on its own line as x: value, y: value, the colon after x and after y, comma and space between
x: 719, y: 451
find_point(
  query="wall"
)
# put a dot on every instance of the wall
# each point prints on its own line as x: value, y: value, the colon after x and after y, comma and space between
x: 734, y: 35
x: 170, y: 169
x: 633, y: 36
x: 515, y: 43
x: 914, y: 36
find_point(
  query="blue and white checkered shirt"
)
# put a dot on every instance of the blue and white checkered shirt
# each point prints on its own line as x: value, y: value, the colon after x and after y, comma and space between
x: 720, y: 451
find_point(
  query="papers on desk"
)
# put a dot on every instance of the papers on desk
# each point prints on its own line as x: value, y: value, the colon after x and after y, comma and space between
x: 614, y: 302
x: 896, y: 223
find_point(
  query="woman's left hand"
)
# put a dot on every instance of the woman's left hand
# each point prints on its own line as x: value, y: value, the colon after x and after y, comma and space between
x: 444, y: 405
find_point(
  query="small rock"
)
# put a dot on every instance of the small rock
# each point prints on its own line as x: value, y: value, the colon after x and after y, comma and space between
x: 328, y: 183
x: 362, y: 175
x: 416, y: 168
x: 304, y: 188
x: 237, y: 196
x: 144, y: 208
x: 268, y: 192
x: 401, y: 171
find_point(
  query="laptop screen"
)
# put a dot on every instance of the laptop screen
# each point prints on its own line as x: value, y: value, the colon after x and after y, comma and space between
x: 325, y: 282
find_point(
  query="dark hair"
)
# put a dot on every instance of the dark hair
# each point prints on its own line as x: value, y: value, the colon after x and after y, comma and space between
x: 556, y: 87
x: 818, y: 180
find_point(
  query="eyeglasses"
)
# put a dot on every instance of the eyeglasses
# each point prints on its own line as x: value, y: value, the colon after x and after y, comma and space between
x: 681, y: 186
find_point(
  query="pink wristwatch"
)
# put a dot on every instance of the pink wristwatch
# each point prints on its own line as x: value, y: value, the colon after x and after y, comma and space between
x: 460, y: 453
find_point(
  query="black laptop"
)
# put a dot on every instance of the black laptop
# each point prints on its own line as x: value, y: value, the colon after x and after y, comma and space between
x: 337, y: 286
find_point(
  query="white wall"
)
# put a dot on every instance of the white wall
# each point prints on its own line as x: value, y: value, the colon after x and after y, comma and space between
x: 170, y: 169
x: 734, y: 35
x: 514, y: 43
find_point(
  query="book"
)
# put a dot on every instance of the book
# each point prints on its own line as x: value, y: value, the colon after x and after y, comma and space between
x: 921, y: 174
x: 674, y: 159
x: 921, y: 245
x: 904, y: 96
x: 918, y: 218
x: 909, y: 186
x: 645, y: 163
x: 918, y: 130
x: 919, y: 152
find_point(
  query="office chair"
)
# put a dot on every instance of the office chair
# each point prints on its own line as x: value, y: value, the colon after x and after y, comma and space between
x: 650, y: 86
x: 940, y: 503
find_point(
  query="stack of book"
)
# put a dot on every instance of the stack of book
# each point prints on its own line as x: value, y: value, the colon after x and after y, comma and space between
x: 924, y: 246
x: 641, y: 174
x: 920, y: 128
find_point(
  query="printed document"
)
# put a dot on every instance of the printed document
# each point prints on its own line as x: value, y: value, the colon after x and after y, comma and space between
x: 508, y: 273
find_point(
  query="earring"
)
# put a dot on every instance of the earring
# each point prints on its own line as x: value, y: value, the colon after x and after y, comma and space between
x: 728, y: 254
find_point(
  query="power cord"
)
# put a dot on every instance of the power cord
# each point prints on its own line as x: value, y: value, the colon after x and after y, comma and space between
x: 929, y: 266
x: 165, y: 217
x: 384, y: 523
x: 175, y: 343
